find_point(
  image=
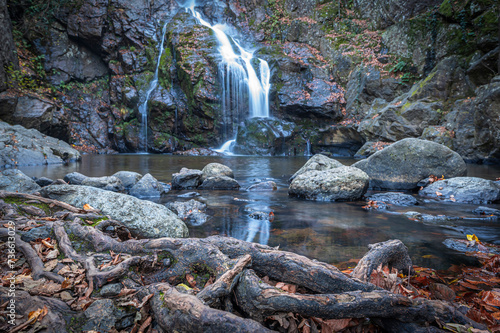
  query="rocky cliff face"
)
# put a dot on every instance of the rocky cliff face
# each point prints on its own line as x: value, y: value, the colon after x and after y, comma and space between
x: 364, y: 71
x: 8, y: 57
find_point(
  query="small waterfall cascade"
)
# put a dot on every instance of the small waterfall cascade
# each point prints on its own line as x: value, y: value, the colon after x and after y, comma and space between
x: 242, y: 87
x: 308, y: 148
x: 143, y: 108
x: 227, y: 147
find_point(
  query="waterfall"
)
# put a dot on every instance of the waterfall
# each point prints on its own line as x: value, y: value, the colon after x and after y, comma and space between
x: 241, y: 86
x: 308, y: 148
x: 143, y: 108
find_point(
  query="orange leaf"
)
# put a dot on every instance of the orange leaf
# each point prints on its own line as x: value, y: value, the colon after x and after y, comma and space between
x: 87, y: 207
x: 492, y: 297
x: 190, y: 279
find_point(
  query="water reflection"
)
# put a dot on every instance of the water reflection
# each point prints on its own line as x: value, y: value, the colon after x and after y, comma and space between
x: 330, y: 232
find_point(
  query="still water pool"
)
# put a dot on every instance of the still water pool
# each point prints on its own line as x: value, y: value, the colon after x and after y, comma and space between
x: 330, y: 232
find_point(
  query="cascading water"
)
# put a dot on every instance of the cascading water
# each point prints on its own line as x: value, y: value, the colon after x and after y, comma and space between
x: 143, y: 108
x: 241, y: 86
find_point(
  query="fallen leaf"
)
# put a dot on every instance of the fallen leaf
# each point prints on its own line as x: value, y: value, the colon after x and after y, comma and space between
x: 47, y: 244
x: 439, y: 193
x: 492, y: 297
x: 472, y: 237
x: 50, y: 265
x: 88, y: 207
x: 52, y: 254
x: 190, y: 279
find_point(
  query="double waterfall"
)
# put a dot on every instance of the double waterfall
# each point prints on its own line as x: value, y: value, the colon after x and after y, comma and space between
x: 241, y: 86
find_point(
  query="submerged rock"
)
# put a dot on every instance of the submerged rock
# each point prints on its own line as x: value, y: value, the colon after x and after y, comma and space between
x: 463, y: 245
x: 342, y: 183
x: 13, y: 180
x: 394, y: 198
x: 486, y: 211
x: 219, y: 183
x: 148, y: 187
x: 318, y: 162
x: 198, y: 152
x: 463, y: 189
x: 193, y: 211
x: 264, y: 186
x: 186, y: 179
x: 108, y: 183
x: 142, y: 217
x: 404, y: 163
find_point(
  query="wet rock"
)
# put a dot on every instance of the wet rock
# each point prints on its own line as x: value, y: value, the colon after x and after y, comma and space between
x: 261, y: 216
x: 216, y: 169
x: 103, y: 316
x: 193, y: 211
x: 264, y: 186
x: 148, y: 186
x: 486, y: 211
x: 318, y: 162
x: 341, y: 183
x: 110, y: 290
x: 74, y: 178
x: 463, y: 245
x: 43, y: 181
x: 394, y: 198
x: 20, y: 146
x: 438, y: 134
x: 186, y: 179
x: 108, y: 183
x: 141, y: 217
x: 219, y: 183
x: 479, y: 71
x: 7, y: 57
x: 189, y: 195
x: 463, y: 189
x: 403, y: 164
x: 128, y: 178
x: 338, y: 140
x: 13, y: 180
x: 264, y: 136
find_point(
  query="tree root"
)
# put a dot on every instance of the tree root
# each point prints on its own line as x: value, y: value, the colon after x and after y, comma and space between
x: 34, y: 261
x: 25, y: 196
x: 178, y: 312
x: 392, y: 253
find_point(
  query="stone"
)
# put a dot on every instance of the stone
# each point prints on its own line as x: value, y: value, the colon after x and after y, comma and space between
x: 186, y: 179
x: 13, y: 180
x: 463, y: 189
x: 370, y: 148
x: 108, y: 183
x: 394, y: 198
x: 128, y: 178
x: 32, y: 235
x: 20, y: 146
x: 191, y: 211
x: 74, y: 178
x: 405, y: 163
x: 263, y: 186
x: 216, y: 169
x: 110, y: 290
x: 338, y: 184
x: 44, y: 181
x: 100, y: 316
x: 219, y: 183
x: 487, y: 211
x: 318, y: 162
x: 147, y: 187
x: 141, y: 217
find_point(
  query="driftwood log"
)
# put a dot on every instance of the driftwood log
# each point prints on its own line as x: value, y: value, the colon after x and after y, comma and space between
x: 166, y: 274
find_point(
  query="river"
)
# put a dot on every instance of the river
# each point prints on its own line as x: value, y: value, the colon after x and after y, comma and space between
x: 330, y: 232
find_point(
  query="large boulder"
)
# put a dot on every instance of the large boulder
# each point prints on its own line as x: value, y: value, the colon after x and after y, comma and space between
x: 216, y: 169
x: 403, y: 164
x: 148, y: 187
x: 13, y: 180
x: 21, y: 146
x: 338, y: 184
x: 464, y: 189
x: 108, y: 183
x: 142, y: 217
x: 186, y: 179
x: 317, y: 162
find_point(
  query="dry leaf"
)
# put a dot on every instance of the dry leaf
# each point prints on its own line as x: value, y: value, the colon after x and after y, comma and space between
x: 50, y: 265
x: 88, y: 207
x: 439, y: 193
x: 52, y: 254
x: 472, y: 237
x: 190, y: 279
x: 47, y: 244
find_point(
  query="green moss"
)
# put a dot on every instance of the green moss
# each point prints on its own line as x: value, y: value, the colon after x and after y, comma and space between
x: 167, y: 255
x: 96, y: 222
x: 20, y: 201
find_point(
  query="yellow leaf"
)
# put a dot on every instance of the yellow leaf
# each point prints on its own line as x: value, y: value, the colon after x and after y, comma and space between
x: 87, y: 207
x: 472, y: 238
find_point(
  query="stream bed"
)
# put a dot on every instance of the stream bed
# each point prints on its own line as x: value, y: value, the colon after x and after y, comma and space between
x: 332, y: 232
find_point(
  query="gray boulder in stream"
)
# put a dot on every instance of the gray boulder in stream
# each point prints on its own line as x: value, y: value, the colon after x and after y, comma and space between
x: 142, y: 217
x: 219, y: 183
x: 404, y: 163
x: 147, y: 187
x: 186, y: 179
x: 108, y: 183
x: 128, y: 178
x: 464, y: 189
x: 14, y: 180
x: 216, y: 169
x: 339, y: 184
x: 317, y: 162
